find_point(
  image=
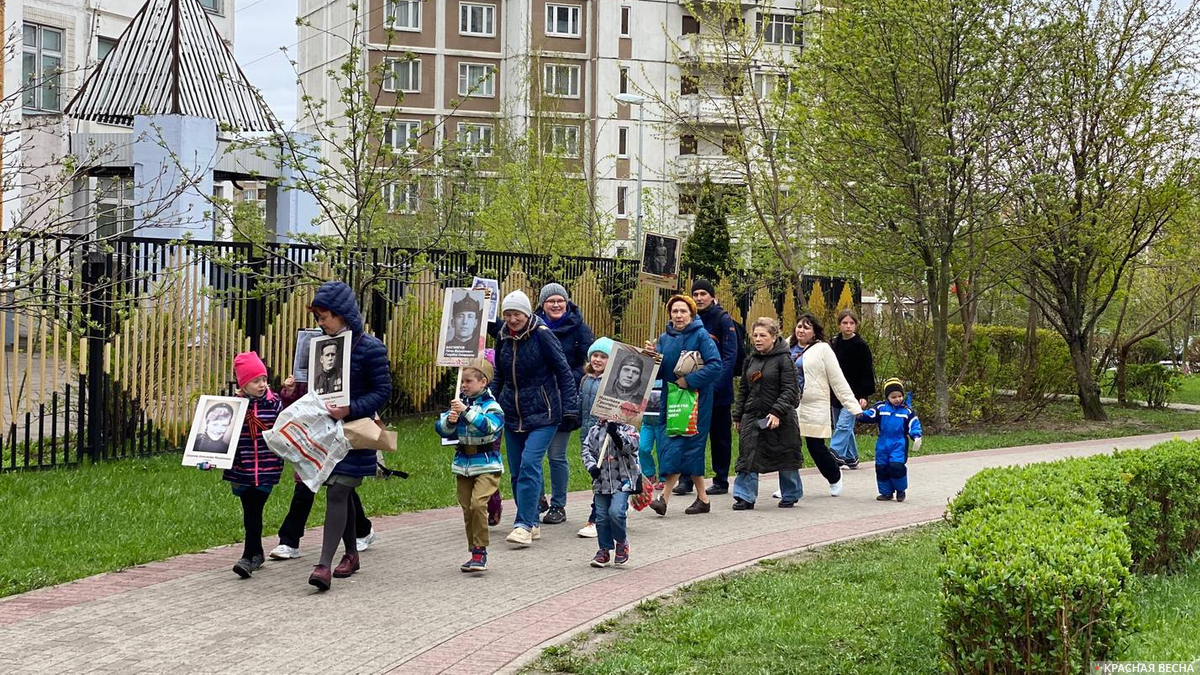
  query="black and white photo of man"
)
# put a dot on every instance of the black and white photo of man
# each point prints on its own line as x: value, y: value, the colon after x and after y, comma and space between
x: 660, y: 256
x: 627, y: 382
x: 464, y: 326
x: 328, y: 379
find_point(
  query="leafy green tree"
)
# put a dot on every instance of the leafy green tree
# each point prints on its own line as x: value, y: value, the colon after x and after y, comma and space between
x: 707, y: 248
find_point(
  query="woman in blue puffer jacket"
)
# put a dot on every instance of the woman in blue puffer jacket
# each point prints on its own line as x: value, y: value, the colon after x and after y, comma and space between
x: 538, y: 392
x: 336, y: 311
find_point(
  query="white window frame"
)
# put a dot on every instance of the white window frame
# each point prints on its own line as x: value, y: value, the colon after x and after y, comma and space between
x: 622, y: 140
x: 551, y: 76
x: 390, y: 78
x: 101, y: 41
x: 410, y: 130
x: 562, y: 140
x: 625, y: 21
x: 622, y: 201
x: 488, y: 17
x: 404, y: 198
x: 391, y: 12
x: 574, y: 19
x: 623, y: 80
x: 36, y: 82
x: 476, y: 138
x: 774, y: 27
x: 476, y: 88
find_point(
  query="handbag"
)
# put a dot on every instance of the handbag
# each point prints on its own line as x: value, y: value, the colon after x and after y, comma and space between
x: 683, y: 411
x: 689, y: 362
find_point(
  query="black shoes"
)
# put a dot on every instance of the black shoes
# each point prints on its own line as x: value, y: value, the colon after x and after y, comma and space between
x: 659, y: 506
x: 247, y: 566
x: 785, y: 504
x: 698, y: 507
x: 682, y: 489
x: 717, y: 489
x: 900, y: 495
x: 554, y: 516
x: 543, y: 505
x: 740, y: 504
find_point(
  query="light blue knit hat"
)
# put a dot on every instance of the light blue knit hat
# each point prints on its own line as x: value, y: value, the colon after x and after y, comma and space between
x: 603, y: 345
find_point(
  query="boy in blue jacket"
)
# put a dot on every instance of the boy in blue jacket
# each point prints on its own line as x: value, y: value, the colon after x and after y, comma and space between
x: 476, y: 420
x: 897, y: 424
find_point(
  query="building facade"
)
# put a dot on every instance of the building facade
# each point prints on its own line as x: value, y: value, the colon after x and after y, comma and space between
x: 469, y: 68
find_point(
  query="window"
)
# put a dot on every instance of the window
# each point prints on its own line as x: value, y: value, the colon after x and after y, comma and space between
x: 733, y: 84
x: 687, y: 203
x: 622, y: 210
x: 402, y: 135
x: 213, y: 6
x: 103, y: 47
x: 687, y: 144
x: 402, y: 75
x: 731, y: 144
x: 561, y: 140
x: 476, y: 19
x: 402, y: 14
x: 476, y: 79
x: 114, y: 207
x: 780, y: 29
x: 41, y: 68
x: 562, y: 20
x: 689, y: 84
x: 475, y: 139
x: 767, y: 85
x: 560, y: 81
x: 623, y: 142
x: 624, y: 80
x: 401, y: 197
x: 691, y: 25
x: 625, y: 21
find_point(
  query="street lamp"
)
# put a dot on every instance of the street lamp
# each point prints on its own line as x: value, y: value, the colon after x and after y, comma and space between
x: 639, y: 101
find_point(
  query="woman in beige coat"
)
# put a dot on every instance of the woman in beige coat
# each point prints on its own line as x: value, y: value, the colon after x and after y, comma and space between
x: 817, y: 372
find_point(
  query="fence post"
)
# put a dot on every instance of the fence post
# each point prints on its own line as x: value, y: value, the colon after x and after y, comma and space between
x: 97, y: 288
x: 379, y: 304
x: 256, y: 314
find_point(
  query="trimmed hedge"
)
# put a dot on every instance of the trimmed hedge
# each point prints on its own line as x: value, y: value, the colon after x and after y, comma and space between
x: 1037, y: 560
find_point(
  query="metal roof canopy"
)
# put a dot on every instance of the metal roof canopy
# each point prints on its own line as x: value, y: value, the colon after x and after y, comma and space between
x: 171, y: 61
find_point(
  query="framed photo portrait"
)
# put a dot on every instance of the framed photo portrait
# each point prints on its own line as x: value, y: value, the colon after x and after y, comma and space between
x: 461, y: 335
x: 493, y: 301
x: 660, y: 260
x: 304, y: 338
x: 215, y: 430
x: 329, y: 367
x: 626, y: 385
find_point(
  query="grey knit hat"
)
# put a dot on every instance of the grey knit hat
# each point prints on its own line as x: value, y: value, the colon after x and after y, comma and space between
x: 550, y: 290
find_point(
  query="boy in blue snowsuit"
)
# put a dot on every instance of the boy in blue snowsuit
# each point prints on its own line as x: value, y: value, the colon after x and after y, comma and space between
x: 897, y: 424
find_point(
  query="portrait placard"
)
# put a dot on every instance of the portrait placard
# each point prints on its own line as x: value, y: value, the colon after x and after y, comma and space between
x: 493, y: 303
x: 216, y: 427
x: 660, y: 260
x: 461, y: 335
x: 626, y: 385
x: 329, y: 367
x: 304, y: 338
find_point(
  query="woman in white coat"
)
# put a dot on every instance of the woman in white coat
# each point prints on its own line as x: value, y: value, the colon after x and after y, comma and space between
x: 817, y: 372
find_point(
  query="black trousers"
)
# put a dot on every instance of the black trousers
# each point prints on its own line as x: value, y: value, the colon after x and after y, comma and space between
x: 297, y: 516
x: 720, y: 446
x: 823, y: 457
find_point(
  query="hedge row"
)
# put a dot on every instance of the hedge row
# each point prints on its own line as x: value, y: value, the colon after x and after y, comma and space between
x: 1038, y: 558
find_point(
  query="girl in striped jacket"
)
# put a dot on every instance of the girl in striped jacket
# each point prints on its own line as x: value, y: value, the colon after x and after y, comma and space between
x: 255, y: 468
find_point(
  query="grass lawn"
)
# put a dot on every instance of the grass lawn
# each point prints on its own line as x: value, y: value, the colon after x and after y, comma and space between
x: 864, y: 607
x: 1189, y: 392
x: 66, y: 524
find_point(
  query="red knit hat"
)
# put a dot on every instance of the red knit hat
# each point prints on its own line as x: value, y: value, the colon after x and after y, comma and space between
x: 247, y: 366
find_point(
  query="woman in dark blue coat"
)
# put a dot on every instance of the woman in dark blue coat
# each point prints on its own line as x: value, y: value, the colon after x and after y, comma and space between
x: 685, y: 454
x: 538, y: 393
x: 563, y: 318
x: 336, y: 311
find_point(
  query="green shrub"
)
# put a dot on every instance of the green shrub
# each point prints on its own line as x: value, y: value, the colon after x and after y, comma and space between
x: 1150, y: 350
x: 1039, y: 590
x: 1159, y: 498
x: 1152, y: 383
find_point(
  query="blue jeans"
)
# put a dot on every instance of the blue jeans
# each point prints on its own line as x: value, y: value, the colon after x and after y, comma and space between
x: 610, y: 518
x: 745, y: 486
x: 652, y: 435
x: 560, y: 473
x: 843, y: 443
x: 525, y: 452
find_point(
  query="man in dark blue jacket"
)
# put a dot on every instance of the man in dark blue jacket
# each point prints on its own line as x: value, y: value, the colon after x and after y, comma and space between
x: 720, y: 326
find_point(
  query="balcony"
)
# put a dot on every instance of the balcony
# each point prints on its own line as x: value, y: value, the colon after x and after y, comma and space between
x: 695, y: 168
x: 708, y: 109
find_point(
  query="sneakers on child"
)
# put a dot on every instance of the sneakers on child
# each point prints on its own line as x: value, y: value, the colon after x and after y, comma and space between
x: 247, y: 566
x: 900, y: 495
x: 285, y: 552
x: 587, y: 531
x: 520, y: 536
x: 364, y: 543
x: 601, y: 559
x: 478, y: 561
x: 622, y: 556
x: 835, y: 489
x: 554, y: 516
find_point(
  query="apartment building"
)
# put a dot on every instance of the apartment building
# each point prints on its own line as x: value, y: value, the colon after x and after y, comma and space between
x: 479, y: 65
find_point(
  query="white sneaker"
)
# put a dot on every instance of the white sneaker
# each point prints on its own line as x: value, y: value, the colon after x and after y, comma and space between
x: 285, y: 552
x: 778, y: 494
x: 535, y: 533
x: 364, y: 543
x: 588, y: 531
x: 520, y: 536
x: 835, y: 489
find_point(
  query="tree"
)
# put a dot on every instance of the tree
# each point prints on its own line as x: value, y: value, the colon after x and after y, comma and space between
x: 1103, y: 138
x: 707, y: 248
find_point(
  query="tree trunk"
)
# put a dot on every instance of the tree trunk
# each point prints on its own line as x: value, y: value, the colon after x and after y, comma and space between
x: 939, y: 303
x: 1089, y: 393
x: 1029, y: 355
x: 1122, y: 361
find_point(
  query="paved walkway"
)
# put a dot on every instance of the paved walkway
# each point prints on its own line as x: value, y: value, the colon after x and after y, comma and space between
x: 410, y: 610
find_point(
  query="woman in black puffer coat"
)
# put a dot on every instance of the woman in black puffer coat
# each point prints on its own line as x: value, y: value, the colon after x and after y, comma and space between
x: 765, y: 417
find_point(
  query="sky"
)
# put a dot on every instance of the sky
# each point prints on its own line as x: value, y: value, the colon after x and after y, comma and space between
x: 261, y: 27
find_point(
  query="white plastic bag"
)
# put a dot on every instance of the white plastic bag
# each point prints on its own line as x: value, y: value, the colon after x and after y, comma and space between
x: 305, y: 435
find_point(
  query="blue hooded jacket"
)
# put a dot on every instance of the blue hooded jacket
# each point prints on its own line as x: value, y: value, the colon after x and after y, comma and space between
x: 670, y: 345
x: 370, y: 371
x: 533, y: 383
x: 574, y: 335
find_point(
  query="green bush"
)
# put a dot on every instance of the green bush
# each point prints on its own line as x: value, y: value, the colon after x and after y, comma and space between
x: 1150, y: 350
x: 1038, y: 590
x: 1152, y: 383
x: 1038, y: 541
